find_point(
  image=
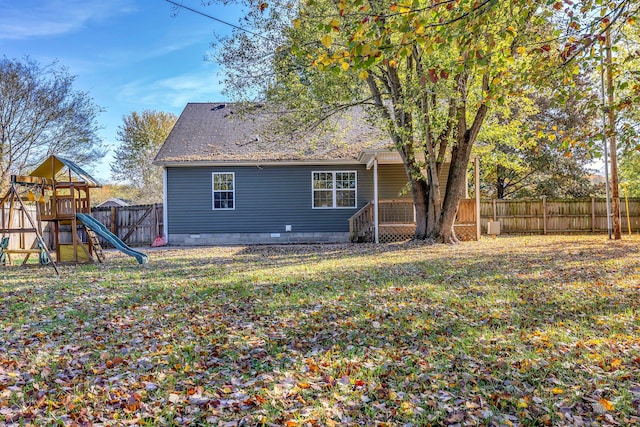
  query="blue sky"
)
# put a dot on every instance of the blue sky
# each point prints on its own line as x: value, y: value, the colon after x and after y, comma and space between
x: 129, y: 55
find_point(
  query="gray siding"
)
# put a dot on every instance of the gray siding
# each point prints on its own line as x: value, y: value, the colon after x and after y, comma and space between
x: 266, y: 199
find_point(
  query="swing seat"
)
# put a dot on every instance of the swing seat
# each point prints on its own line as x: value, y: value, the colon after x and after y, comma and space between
x: 4, y: 245
x: 44, y: 257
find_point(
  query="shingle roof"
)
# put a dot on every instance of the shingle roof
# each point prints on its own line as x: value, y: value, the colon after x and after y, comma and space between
x: 230, y: 132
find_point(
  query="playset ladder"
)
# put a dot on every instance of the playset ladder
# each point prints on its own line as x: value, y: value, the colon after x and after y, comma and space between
x: 95, y: 244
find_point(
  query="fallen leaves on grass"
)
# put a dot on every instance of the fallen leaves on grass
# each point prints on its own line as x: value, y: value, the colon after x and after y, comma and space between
x: 509, y: 331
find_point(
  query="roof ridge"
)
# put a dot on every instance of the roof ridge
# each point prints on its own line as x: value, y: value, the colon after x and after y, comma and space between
x: 209, y: 131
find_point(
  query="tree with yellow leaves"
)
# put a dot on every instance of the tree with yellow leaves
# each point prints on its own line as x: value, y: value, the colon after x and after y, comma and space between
x: 428, y: 72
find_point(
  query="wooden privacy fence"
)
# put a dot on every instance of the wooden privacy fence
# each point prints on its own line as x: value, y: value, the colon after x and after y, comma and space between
x: 135, y: 225
x: 19, y: 220
x: 545, y: 216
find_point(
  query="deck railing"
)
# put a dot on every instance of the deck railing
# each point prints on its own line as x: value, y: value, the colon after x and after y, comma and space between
x: 466, y: 212
x: 361, y: 224
x: 396, y: 211
x: 396, y: 216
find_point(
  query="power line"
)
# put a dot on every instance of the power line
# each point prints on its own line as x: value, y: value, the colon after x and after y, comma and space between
x: 216, y: 19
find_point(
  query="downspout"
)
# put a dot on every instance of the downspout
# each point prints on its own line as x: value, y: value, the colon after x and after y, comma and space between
x: 165, y: 211
x: 375, y: 198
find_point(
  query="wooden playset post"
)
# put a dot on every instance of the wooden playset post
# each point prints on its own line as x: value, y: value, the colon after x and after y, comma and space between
x: 39, y: 246
x: 74, y: 224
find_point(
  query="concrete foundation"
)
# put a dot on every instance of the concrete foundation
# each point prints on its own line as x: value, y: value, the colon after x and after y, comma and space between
x: 256, y: 238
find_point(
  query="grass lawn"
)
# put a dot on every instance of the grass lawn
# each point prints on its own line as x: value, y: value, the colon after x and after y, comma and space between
x: 511, y: 331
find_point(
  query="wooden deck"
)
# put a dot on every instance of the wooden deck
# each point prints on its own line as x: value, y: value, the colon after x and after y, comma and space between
x: 397, y: 222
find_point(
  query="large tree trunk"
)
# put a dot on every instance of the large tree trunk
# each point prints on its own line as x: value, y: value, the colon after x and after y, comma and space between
x: 455, y: 184
x: 500, y: 170
x: 460, y: 154
x: 427, y: 202
x: 419, y: 190
x: 434, y: 199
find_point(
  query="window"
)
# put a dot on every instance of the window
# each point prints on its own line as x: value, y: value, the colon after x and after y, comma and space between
x: 224, y: 190
x: 334, y: 189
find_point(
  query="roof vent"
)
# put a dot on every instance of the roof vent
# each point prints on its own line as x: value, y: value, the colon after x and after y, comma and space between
x: 218, y: 107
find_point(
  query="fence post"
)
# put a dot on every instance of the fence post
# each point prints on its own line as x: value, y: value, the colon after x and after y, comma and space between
x: 114, y: 219
x: 495, y: 210
x: 153, y: 229
x: 544, y: 214
x: 593, y: 214
x: 160, y: 217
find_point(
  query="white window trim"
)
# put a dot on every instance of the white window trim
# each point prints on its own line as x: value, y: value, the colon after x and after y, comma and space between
x: 213, y: 199
x: 334, y: 189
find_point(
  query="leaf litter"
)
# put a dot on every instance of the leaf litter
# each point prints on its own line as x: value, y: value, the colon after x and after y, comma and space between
x: 514, y: 331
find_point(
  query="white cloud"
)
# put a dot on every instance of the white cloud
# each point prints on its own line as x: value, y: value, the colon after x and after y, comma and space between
x: 174, y: 92
x: 158, y: 49
x: 37, y: 18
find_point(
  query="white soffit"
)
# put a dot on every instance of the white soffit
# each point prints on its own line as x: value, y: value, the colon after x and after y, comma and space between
x: 385, y: 157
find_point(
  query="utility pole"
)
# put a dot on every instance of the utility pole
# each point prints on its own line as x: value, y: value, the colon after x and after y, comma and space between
x: 615, y: 193
x: 607, y: 187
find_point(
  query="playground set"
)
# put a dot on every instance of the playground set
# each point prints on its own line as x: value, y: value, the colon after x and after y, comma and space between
x: 54, y: 199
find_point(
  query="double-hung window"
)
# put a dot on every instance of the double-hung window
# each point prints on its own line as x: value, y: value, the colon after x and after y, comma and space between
x: 224, y: 190
x: 334, y: 189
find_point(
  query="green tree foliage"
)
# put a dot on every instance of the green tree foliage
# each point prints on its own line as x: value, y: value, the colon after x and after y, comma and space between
x: 630, y: 172
x: 41, y: 114
x: 108, y: 191
x: 520, y: 161
x: 626, y: 66
x: 628, y: 106
x: 429, y: 72
x: 539, y: 172
x: 140, y: 136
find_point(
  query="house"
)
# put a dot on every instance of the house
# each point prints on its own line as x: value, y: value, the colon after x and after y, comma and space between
x: 230, y: 178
